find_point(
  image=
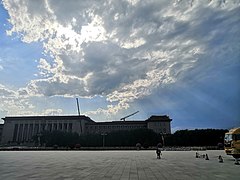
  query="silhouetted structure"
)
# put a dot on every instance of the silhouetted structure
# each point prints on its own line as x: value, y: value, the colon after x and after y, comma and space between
x: 1, y: 130
x: 21, y: 129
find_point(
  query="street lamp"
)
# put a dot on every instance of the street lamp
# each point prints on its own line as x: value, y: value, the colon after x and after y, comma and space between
x: 163, y: 140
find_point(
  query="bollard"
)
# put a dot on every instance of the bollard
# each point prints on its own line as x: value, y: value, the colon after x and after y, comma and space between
x: 220, y: 159
x: 206, y: 157
x: 197, y: 155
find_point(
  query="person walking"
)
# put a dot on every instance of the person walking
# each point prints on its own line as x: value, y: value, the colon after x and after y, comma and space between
x: 159, y: 153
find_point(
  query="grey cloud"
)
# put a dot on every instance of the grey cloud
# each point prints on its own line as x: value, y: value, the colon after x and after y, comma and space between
x: 75, y: 13
x: 55, y: 87
x: 156, y: 43
x: 110, y: 65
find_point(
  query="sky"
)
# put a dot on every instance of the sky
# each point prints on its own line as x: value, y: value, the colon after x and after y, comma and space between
x: 179, y: 58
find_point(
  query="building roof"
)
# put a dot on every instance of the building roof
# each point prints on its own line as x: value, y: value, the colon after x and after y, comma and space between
x: 153, y: 118
x: 117, y: 123
x: 48, y: 118
x: 159, y: 118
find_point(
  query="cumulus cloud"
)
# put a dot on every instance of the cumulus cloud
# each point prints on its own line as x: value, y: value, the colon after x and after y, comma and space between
x: 4, y: 92
x: 12, y: 102
x: 124, y: 50
x: 19, y: 103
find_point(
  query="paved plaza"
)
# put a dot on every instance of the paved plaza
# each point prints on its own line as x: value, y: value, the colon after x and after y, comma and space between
x: 123, y: 165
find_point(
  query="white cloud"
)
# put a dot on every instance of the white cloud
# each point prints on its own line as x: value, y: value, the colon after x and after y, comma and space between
x: 121, y: 50
x: 12, y: 102
x: 53, y: 111
x: 19, y: 103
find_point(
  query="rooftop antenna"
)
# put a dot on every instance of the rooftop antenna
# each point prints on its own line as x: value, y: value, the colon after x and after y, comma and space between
x: 78, y: 107
x: 79, y: 115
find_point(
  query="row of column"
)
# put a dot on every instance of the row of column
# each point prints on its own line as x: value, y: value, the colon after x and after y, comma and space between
x: 25, y: 132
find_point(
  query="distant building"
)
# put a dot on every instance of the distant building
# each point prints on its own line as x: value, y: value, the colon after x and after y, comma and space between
x: 22, y: 129
x: 159, y: 124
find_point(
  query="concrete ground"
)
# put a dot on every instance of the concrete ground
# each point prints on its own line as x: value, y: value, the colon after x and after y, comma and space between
x: 142, y: 165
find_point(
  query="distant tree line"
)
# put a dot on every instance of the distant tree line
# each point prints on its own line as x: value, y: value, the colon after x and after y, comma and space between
x: 197, y: 137
x: 146, y: 137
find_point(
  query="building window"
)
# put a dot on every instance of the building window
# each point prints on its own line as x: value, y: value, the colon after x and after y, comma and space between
x: 15, y: 132
x: 49, y: 128
x: 43, y: 127
x: 36, y: 129
x: 70, y: 127
x: 55, y: 126
x: 65, y: 127
x: 60, y: 126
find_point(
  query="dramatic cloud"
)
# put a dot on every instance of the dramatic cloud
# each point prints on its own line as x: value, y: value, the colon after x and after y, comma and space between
x: 125, y: 50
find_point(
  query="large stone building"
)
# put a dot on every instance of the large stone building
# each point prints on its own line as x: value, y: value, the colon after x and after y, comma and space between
x: 1, y: 130
x: 22, y: 129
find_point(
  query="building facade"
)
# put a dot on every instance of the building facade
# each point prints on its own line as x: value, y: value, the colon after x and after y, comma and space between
x: 1, y: 130
x: 23, y: 129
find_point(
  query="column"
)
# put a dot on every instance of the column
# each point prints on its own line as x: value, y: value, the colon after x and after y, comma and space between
x: 25, y: 127
x: 20, y: 133
x: 30, y: 131
x: 27, y: 137
x: 15, y: 133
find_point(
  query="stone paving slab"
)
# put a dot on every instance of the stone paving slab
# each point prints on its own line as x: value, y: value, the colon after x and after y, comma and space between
x: 115, y: 165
